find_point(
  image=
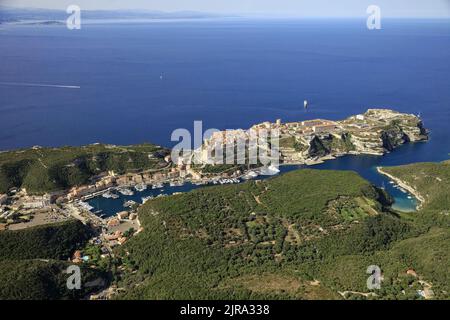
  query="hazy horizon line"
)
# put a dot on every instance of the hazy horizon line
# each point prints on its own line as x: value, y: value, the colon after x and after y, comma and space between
x: 225, y: 14
x: 230, y: 14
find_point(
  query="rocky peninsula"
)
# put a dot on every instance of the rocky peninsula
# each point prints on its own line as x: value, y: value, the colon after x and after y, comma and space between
x: 375, y: 132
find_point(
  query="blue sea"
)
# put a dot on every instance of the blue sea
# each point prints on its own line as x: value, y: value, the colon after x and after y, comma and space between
x: 129, y: 83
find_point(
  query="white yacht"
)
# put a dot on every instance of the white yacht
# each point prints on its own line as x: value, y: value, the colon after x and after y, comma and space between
x: 140, y: 187
x: 86, y: 205
x: 129, y: 203
x: 250, y: 175
x: 126, y: 192
x: 110, y: 195
x: 106, y: 195
x: 269, y: 171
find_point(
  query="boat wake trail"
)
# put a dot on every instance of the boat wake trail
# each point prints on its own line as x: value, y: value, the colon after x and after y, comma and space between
x: 26, y: 84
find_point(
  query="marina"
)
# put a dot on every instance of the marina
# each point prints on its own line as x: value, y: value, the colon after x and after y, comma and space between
x: 129, y: 203
x: 111, y: 207
x: 365, y: 165
x: 86, y: 206
x: 140, y: 187
x: 110, y: 195
x: 125, y: 191
x: 90, y: 179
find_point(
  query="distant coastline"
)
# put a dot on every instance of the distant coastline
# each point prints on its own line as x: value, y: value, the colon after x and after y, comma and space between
x: 37, y: 16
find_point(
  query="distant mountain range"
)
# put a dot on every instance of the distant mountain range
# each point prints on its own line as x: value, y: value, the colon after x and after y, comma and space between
x: 10, y: 14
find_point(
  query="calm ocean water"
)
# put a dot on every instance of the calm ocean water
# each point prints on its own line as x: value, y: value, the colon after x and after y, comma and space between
x: 139, y: 82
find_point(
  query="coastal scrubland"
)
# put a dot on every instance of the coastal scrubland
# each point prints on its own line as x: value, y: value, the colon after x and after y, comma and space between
x: 33, y: 262
x: 42, y: 280
x: 52, y: 241
x: 308, y: 234
x: 432, y: 182
x: 41, y: 170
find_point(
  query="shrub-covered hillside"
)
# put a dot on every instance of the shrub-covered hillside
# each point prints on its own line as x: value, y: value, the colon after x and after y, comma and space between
x: 432, y: 181
x: 33, y: 262
x: 40, y: 170
x: 308, y: 234
x: 41, y: 280
x: 51, y: 241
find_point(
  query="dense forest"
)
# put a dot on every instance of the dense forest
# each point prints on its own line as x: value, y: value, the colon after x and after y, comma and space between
x: 52, y: 241
x: 41, y: 280
x: 33, y: 262
x: 308, y: 234
x: 41, y: 170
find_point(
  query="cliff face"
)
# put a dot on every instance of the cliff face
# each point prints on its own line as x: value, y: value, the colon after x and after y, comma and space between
x: 395, y: 130
x: 319, y: 146
x: 393, y: 138
x: 326, y: 144
x: 375, y: 132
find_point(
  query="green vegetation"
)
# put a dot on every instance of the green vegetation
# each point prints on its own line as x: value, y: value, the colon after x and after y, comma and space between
x: 309, y: 234
x: 343, y: 143
x: 52, y: 241
x: 41, y: 170
x: 33, y: 262
x: 220, y: 168
x: 40, y: 280
x: 287, y: 142
x: 292, y: 143
x: 432, y: 180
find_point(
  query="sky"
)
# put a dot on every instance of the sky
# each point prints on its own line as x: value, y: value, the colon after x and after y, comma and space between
x: 299, y: 8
